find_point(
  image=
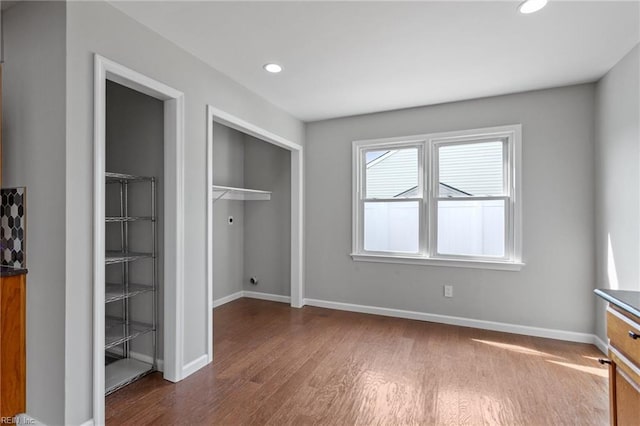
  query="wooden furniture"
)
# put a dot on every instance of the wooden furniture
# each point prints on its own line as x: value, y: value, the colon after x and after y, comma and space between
x: 0, y: 122
x: 12, y: 342
x: 623, y: 330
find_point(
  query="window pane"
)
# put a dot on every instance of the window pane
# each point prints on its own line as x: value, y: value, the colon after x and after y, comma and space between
x: 392, y: 173
x: 473, y: 228
x: 392, y: 226
x: 471, y: 169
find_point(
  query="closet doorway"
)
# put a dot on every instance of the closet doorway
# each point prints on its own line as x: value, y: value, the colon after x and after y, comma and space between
x: 168, y: 167
x: 256, y: 143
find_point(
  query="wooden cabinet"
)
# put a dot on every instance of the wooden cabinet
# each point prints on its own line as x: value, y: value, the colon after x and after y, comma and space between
x: 12, y: 345
x: 0, y: 125
x: 623, y: 330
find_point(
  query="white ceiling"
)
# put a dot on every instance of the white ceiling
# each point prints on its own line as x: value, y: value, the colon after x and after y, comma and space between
x: 345, y: 58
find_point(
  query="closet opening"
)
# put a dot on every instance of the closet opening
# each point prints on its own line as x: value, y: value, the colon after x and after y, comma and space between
x: 251, y: 217
x: 134, y: 237
x: 254, y: 215
x: 138, y: 229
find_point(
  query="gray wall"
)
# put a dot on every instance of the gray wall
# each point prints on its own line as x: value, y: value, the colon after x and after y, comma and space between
x: 553, y: 290
x: 97, y: 27
x: 34, y: 156
x: 135, y: 145
x: 259, y: 241
x: 267, y: 237
x: 618, y: 180
x: 228, y: 240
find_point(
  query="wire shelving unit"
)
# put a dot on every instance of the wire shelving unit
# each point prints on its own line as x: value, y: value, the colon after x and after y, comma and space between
x: 122, y: 366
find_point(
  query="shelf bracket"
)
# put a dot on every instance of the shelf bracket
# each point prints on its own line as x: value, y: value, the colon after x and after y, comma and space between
x: 221, y: 195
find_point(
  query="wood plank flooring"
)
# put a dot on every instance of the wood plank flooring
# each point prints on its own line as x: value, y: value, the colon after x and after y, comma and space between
x: 275, y: 365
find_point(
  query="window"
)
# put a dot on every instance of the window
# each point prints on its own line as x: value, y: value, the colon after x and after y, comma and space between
x: 448, y: 199
x: 392, y: 201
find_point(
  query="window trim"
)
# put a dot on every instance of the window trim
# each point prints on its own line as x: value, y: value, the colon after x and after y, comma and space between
x: 429, y: 143
x: 422, y: 213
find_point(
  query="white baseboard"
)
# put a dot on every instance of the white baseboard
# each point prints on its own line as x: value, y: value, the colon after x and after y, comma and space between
x: 226, y: 299
x: 194, y: 366
x: 600, y: 345
x: 549, y: 333
x: 148, y: 359
x: 251, y: 295
x: 570, y: 336
x: 266, y: 296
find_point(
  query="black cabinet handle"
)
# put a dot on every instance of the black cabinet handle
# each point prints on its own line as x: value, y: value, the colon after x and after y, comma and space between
x: 633, y: 335
x: 604, y: 361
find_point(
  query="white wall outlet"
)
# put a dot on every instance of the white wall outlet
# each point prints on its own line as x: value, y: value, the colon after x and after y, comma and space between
x: 230, y: 220
x: 448, y: 290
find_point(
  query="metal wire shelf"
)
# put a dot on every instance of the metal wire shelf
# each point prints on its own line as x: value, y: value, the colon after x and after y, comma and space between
x: 120, y: 373
x: 121, y: 330
x: 119, y: 219
x: 111, y: 177
x: 112, y: 257
x: 115, y: 292
x: 118, y: 331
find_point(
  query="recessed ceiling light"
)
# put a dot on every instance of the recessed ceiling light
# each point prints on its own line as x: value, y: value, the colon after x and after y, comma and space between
x: 273, y: 68
x: 530, y: 6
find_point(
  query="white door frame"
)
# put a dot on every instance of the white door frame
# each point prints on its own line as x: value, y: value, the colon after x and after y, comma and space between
x: 104, y: 70
x: 297, y: 199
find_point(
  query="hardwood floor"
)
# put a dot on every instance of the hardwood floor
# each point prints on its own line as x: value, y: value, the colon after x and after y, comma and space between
x: 277, y: 365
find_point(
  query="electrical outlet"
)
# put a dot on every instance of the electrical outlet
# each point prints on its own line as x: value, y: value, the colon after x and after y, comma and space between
x: 448, y: 290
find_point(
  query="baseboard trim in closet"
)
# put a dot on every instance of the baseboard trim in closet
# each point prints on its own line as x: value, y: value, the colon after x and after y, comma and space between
x: 266, y: 296
x: 148, y: 359
x: 251, y: 295
x: 227, y: 299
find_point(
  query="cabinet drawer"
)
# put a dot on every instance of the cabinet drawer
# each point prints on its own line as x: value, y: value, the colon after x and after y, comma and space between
x: 621, y: 330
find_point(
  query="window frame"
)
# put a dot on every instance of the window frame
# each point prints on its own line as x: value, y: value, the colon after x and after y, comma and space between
x: 422, y: 191
x: 428, y: 145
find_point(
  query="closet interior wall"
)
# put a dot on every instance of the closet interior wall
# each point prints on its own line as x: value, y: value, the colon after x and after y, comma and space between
x: 258, y: 243
x: 228, y: 240
x: 267, y: 226
x: 135, y: 145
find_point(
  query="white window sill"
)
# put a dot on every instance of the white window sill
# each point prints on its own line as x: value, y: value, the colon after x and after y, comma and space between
x: 455, y: 263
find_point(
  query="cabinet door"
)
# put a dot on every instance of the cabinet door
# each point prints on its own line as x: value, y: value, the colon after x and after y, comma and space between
x: 12, y: 341
x: 627, y: 399
x: 0, y: 125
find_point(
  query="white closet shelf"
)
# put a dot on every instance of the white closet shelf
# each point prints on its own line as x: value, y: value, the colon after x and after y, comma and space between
x: 240, y: 194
